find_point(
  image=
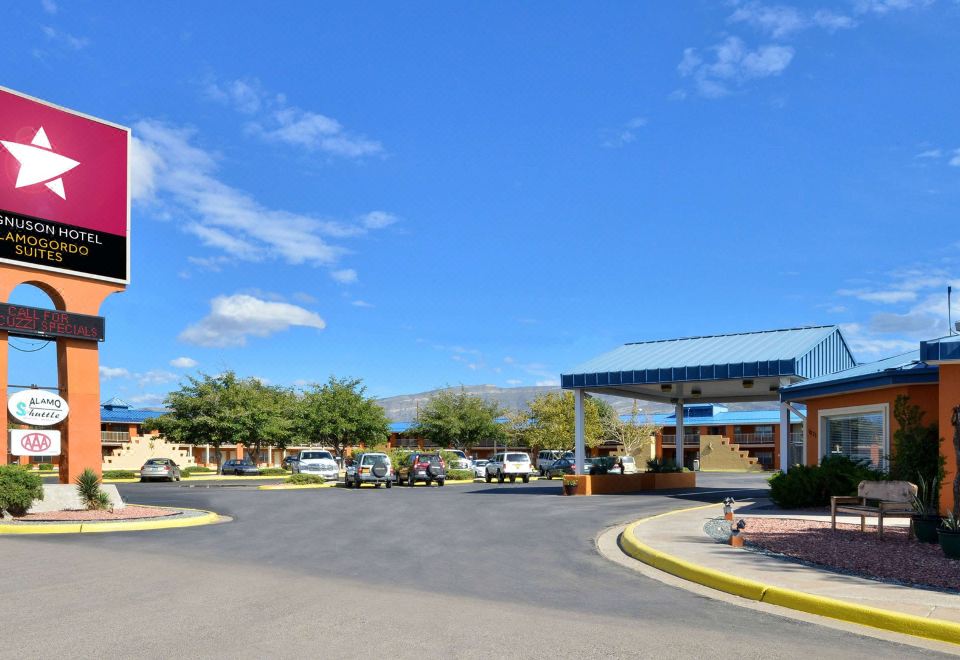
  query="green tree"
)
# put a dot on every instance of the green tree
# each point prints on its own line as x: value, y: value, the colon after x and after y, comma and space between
x: 338, y: 414
x: 459, y: 420
x: 204, y: 411
x: 265, y: 416
x: 552, y: 421
x: 916, y: 446
x: 635, y: 435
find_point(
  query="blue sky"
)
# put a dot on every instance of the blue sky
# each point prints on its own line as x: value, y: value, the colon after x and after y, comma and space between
x: 428, y: 194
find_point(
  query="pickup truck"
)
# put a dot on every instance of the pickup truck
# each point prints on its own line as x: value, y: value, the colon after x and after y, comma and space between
x: 316, y: 461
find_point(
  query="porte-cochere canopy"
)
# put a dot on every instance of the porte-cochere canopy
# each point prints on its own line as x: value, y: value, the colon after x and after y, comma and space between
x: 748, y: 366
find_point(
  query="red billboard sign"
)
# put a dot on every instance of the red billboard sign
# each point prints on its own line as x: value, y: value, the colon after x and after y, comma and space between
x: 64, y: 190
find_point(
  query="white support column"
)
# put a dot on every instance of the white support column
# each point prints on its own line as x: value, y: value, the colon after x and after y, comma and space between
x: 579, y: 446
x: 678, y: 459
x: 784, y: 436
x: 207, y: 457
x: 796, y: 411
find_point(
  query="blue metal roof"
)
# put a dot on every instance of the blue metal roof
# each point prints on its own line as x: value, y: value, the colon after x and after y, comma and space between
x: 940, y: 350
x: 903, y: 369
x: 805, y: 352
x: 121, y: 415
x: 723, y: 417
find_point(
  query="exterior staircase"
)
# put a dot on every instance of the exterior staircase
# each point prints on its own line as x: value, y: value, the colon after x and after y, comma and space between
x: 719, y: 453
x: 132, y: 455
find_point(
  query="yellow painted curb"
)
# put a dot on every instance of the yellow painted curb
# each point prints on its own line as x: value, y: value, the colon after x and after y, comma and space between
x: 208, y: 518
x: 331, y: 484
x: 944, y: 631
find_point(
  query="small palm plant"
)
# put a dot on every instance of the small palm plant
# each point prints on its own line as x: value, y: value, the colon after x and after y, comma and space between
x: 951, y: 524
x: 925, y: 502
x: 88, y: 485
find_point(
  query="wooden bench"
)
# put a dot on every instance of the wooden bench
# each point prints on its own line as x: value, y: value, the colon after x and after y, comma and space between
x: 893, y: 499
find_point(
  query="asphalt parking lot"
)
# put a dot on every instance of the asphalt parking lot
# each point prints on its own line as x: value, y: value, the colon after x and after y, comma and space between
x: 464, y: 571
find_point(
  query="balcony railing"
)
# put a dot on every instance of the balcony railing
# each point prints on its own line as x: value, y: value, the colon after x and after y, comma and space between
x: 689, y: 439
x: 114, y: 436
x: 753, y: 438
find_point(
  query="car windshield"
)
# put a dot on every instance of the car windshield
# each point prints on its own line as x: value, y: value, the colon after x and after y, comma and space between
x: 627, y: 459
x: 569, y: 456
x: 518, y: 458
x: 245, y: 463
x: 373, y: 459
x: 316, y: 454
x: 481, y: 461
x: 458, y: 453
x: 157, y: 461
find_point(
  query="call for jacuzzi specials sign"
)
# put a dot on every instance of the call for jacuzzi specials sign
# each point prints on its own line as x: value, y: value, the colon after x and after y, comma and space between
x: 64, y: 190
x: 34, y: 443
x: 38, y: 407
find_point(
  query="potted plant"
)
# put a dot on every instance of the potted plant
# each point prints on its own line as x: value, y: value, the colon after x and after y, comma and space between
x: 570, y: 482
x: 950, y: 536
x: 926, y: 516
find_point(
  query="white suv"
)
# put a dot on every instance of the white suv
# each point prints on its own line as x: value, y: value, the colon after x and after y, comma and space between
x: 316, y: 461
x: 509, y: 465
x: 547, y: 457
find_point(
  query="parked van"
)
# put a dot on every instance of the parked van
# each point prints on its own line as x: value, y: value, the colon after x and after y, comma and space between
x: 546, y: 458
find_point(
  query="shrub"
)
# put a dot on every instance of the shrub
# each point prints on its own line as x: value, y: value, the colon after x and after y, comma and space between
x: 119, y: 474
x: 302, y: 479
x: 807, y: 486
x: 88, y: 485
x: 193, y: 469
x: 272, y: 472
x: 19, y: 488
x: 45, y: 467
x: 658, y: 465
x: 916, y: 447
x: 457, y: 475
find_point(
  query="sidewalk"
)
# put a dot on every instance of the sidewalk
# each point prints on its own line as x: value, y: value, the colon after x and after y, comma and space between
x: 681, y: 536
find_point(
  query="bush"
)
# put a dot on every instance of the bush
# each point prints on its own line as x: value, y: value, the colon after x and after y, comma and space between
x: 916, y: 447
x: 19, y: 487
x: 88, y: 485
x: 119, y: 474
x: 807, y: 486
x: 45, y: 467
x: 659, y: 466
x: 272, y: 472
x: 193, y: 469
x: 457, y: 475
x: 302, y: 479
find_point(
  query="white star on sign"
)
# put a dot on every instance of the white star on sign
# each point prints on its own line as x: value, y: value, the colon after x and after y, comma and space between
x: 39, y: 163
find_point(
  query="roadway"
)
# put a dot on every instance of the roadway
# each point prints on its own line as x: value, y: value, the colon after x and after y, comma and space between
x: 461, y: 571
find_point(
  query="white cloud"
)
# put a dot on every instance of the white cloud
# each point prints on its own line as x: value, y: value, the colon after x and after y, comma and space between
x: 107, y: 373
x: 169, y: 170
x: 275, y: 120
x: 886, y: 6
x: 549, y: 382
x: 955, y: 159
x: 930, y: 153
x: 623, y: 135
x: 156, y: 377
x: 344, y: 276
x: 233, y: 318
x: 887, y: 297
x: 733, y: 64
x: 147, y: 399
x: 514, y: 382
x: 361, y: 303
x: 183, y: 363
x: 64, y: 38
x: 49, y: 6
x: 781, y: 21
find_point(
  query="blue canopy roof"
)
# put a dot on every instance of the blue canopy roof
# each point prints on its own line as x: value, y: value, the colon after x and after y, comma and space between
x: 658, y: 370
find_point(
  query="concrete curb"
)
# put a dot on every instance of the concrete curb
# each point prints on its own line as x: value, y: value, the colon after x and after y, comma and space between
x: 208, y: 518
x: 944, y: 631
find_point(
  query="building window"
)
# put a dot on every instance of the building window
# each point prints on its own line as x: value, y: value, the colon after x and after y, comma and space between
x: 858, y: 433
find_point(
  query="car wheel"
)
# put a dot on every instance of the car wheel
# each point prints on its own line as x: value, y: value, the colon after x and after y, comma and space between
x: 170, y: 480
x: 390, y: 484
x: 513, y: 478
x: 347, y: 484
x: 549, y: 476
x: 500, y: 478
x: 488, y: 478
x: 411, y: 481
x: 376, y: 485
x: 440, y: 482
x: 541, y: 472
x: 526, y: 478
x: 143, y: 480
x: 429, y: 482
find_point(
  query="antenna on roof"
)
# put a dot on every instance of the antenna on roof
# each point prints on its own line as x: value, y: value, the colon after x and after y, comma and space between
x: 949, y: 310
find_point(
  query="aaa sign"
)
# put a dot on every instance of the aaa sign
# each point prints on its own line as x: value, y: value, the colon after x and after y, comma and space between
x: 38, y: 407
x: 34, y: 443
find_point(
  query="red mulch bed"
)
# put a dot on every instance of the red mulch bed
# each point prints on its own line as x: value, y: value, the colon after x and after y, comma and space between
x: 129, y: 512
x: 895, y: 557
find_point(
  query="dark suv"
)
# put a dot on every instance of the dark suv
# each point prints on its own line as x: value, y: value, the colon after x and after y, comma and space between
x: 422, y: 467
